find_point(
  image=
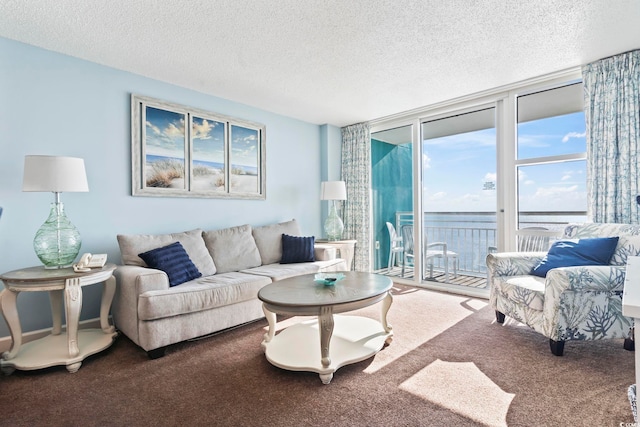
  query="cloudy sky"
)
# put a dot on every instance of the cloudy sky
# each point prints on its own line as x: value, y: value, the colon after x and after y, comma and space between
x: 165, y: 136
x: 457, y: 167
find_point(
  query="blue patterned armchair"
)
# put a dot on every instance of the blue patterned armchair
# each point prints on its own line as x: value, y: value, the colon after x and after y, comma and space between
x: 571, y: 303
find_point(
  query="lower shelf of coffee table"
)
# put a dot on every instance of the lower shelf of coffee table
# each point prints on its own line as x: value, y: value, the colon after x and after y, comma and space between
x: 354, y: 338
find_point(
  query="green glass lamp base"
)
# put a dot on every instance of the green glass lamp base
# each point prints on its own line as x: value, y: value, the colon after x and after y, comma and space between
x: 333, y: 226
x: 57, y: 242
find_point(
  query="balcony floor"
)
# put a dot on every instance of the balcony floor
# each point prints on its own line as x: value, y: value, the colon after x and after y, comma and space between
x: 439, y: 277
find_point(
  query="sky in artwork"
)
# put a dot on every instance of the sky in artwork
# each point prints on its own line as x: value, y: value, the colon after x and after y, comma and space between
x: 458, y: 169
x: 165, y: 137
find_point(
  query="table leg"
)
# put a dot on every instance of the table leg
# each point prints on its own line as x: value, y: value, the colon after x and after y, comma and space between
x: 10, y: 312
x: 386, y: 305
x: 108, y: 291
x: 347, y: 252
x: 326, y: 331
x: 73, y: 303
x: 271, y: 319
x: 55, y: 298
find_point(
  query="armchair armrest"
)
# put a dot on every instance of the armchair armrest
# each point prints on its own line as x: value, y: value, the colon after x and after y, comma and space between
x: 513, y: 263
x: 589, y: 278
x: 442, y: 245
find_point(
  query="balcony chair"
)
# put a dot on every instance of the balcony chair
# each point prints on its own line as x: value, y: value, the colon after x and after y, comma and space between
x: 530, y: 242
x: 432, y: 251
x: 567, y: 300
x: 395, y: 245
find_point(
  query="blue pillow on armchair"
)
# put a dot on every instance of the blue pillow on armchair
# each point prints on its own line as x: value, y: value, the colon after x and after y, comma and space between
x: 173, y: 260
x: 570, y: 253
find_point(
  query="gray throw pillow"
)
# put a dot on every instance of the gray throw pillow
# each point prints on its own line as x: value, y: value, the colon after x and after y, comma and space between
x: 232, y: 249
x: 269, y: 239
x: 133, y: 244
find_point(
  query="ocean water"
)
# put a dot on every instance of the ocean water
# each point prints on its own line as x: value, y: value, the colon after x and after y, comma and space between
x: 249, y: 170
x: 472, y: 235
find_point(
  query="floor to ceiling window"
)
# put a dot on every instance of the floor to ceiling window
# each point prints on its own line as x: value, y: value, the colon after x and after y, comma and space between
x: 486, y: 172
x: 458, y: 194
x: 551, y: 159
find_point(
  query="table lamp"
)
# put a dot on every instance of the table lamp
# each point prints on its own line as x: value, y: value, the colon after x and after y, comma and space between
x: 333, y: 190
x: 57, y: 242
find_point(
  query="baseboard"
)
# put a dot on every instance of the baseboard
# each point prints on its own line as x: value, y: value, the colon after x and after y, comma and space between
x: 5, y: 342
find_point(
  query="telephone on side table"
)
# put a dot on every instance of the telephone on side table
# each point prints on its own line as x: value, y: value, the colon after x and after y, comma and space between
x: 88, y: 261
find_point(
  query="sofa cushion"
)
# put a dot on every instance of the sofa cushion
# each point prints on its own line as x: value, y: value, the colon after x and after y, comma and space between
x: 192, y: 242
x: 569, y: 253
x: 268, y: 239
x: 297, y: 249
x: 200, y: 294
x: 232, y: 249
x: 173, y: 260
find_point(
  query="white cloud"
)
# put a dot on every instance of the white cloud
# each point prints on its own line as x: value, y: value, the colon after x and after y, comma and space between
x: 172, y: 130
x: 573, y: 135
x: 203, y: 130
x: 426, y: 161
x: 491, y: 176
x: 552, y: 191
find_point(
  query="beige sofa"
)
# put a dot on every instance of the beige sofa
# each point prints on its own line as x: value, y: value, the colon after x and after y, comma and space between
x: 234, y: 264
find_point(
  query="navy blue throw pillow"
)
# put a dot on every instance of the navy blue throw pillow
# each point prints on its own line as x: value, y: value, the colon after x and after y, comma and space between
x: 297, y: 249
x: 570, y: 253
x: 174, y: 261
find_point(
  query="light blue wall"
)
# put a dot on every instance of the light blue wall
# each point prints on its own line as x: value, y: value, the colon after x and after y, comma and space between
x: 59, y: 105
x: 331, y: 159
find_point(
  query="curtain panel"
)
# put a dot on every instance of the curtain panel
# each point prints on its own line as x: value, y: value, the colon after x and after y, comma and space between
x: 612, y: 114
x: 356, y: 173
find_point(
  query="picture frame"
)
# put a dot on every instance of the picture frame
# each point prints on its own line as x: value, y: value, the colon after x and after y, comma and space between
x: 180, y: 151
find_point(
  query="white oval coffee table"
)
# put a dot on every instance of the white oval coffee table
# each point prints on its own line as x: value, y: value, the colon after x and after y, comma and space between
x: 325, y: 344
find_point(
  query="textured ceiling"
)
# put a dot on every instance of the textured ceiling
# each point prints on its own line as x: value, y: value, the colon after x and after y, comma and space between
x: 330, y: 61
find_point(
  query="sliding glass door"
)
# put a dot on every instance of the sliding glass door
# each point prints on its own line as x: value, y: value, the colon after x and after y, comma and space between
x: 459, y: 184
x: 504, y: 171
x: 392, y: 199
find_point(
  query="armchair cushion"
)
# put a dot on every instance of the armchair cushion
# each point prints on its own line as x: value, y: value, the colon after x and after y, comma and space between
x: 173, y: 260
x: 570, y: 253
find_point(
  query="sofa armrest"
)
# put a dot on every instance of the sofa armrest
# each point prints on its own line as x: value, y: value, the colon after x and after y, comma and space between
x: 132, y: 278
x: 324, y: 252
x: 513, y: 263
x: 131, y: 282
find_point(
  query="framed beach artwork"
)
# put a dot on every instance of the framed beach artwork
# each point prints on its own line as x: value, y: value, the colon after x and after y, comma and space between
x: 178, y: 151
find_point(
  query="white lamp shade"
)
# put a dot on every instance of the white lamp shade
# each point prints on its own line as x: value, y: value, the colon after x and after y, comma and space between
x: 55, y: 174
x: 333, y: 190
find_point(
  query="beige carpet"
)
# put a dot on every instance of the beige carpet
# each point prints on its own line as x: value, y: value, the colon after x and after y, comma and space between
x: 449, y: 364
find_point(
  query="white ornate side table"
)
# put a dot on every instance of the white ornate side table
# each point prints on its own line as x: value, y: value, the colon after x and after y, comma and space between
x: 68, y: 347
x: 345, y: 247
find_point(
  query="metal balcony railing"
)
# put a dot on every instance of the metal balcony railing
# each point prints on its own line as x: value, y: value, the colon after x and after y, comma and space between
x: 472, y: 235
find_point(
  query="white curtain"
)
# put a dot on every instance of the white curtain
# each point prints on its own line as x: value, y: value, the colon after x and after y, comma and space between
x: 612, y: 114
x: 356, y: 173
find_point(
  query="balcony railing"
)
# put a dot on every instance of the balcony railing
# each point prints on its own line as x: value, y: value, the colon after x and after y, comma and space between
x: 472, y: 235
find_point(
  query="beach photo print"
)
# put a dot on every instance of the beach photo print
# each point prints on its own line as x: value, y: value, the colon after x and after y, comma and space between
x: 179, y: 151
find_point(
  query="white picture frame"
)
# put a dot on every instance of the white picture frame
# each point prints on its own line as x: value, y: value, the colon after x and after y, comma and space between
x: 179, y: 151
